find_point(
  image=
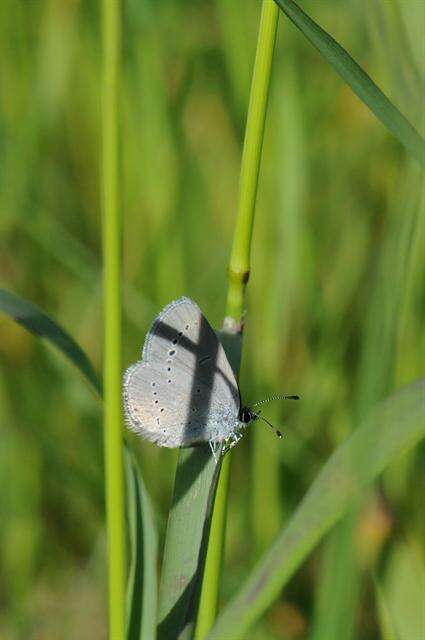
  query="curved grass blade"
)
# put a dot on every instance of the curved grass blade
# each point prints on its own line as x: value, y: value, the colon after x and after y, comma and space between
x: 141, y: 616
x: 142, y: 581
x: 361, y: 83
x: 395, y: 426
x: 40, y: 324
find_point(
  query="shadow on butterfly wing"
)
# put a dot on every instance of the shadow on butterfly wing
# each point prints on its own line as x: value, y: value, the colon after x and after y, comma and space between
x: 202, y: 401
x: 206, y: 351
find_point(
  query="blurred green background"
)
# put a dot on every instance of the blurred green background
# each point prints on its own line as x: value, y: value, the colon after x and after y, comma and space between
x: 335, y: 302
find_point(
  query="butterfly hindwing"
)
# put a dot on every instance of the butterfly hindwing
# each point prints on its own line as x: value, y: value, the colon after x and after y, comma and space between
x: 184, y: 390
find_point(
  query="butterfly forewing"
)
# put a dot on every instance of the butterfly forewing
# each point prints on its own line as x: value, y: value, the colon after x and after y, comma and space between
x: 184, y: 390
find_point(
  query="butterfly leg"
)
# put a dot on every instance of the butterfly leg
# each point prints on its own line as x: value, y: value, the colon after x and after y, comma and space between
x: 231, y: 441
x: 214, y: 446
x: 235, y: 437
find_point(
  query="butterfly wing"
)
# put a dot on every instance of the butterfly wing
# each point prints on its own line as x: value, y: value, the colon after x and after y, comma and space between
x: 183, y: 391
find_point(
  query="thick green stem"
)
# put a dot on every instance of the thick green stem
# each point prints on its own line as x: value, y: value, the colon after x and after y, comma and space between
x: 114, y: 477
x: 238, y: 277
x: 251, y: 157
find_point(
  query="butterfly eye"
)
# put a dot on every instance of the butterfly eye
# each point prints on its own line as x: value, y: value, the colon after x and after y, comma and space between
x: 245, y: 415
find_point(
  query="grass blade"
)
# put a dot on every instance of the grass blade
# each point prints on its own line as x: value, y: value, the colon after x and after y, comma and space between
x: 186, y: 542
x: 386, y: 620
x: 361, y: 83
x: 142, y: 576
x: 142, y: 583
x: 403, y: 586
x: 211, y: 582
x: 40, y: 324
x: 338, y: 582
x: 395, y: 426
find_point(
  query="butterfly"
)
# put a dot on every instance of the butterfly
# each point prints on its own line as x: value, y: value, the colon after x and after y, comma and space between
x: 183, y: 391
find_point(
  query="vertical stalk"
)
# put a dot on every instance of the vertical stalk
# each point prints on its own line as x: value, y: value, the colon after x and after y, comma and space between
x: 251, y: 157
x: 238, y: 277
x: 114, y: 479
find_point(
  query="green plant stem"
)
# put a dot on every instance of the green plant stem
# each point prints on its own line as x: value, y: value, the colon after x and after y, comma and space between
x: 114, y: 475
x: 238, y: 278
x: 251, y: 157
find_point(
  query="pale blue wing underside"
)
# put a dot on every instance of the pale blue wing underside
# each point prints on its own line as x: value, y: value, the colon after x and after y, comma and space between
x: 183, y: 391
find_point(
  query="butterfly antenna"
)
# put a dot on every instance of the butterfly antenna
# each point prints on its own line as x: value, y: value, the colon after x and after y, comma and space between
x: 277, y: 432
x: 276, y: 397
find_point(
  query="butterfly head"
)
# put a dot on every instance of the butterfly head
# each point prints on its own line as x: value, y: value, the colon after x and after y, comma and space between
x: 246, y: 415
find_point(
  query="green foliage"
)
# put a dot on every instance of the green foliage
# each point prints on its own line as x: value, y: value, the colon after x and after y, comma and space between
x: 40, y: 324
x: 186, y: 543
x: 358, y: 80
x: 335, y: 300
x: 142, y: 578
x: 394, y: 427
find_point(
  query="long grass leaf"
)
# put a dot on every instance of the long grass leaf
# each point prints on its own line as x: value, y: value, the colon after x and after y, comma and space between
x: 393, y: 427
x: 361, y: 83
x: 186, y: 543
x: 142, y: 582
x: 39, y: 323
